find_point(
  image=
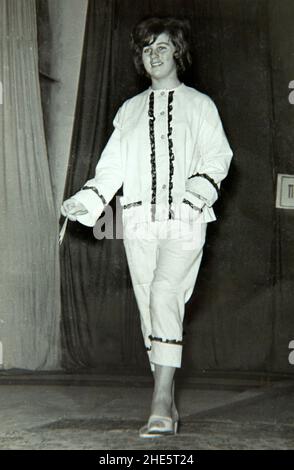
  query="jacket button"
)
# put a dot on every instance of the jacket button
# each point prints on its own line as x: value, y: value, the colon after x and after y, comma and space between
x: 163, y: 137
x: 162, y: 113
x: 164, y: 186
x: 162, y: 93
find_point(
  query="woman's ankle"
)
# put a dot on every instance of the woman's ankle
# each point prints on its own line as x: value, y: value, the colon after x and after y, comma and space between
x: 162, y: 405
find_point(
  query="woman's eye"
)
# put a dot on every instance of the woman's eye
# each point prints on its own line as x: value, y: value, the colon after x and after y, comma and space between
x: 146, y: 51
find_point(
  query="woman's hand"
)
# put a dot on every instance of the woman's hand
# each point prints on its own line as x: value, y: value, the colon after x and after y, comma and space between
x: 71, y: 209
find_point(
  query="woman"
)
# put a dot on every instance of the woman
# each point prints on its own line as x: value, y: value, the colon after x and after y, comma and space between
x: 170, y: 153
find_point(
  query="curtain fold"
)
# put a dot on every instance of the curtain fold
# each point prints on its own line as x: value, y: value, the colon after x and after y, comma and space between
x: 29, y: 275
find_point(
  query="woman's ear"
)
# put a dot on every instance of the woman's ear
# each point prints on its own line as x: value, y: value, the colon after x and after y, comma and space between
x: 176, y: 55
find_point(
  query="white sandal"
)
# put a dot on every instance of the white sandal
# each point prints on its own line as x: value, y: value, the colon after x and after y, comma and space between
x: 158, y: 426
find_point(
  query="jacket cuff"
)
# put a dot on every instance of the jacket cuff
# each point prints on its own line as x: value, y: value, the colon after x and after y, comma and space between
x: 204, y: 188
x: 94, y: 205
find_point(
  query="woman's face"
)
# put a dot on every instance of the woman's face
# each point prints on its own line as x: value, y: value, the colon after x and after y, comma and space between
x: 158, y: 58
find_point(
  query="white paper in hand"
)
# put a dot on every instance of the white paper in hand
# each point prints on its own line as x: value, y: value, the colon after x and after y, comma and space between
x: 62, y: 231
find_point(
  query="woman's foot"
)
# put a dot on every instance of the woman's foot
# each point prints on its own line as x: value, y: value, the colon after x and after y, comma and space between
x: 164, y: 417
x: 159, y: 426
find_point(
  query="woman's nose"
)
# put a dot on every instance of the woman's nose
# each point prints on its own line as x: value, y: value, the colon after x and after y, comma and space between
x: 154, y: 53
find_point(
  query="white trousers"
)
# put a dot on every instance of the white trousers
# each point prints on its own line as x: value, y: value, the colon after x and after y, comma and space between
x: 164, y: 263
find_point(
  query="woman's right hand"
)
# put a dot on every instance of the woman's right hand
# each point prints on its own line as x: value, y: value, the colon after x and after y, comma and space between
x: 72, y: 208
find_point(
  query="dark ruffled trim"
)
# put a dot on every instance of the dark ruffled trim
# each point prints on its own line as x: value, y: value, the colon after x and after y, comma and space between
x: 152, y: 156
x: 171, y: 154
x: 211, y: 180
x: 169, y: 341
x: 192, y: 205
x: 97, y: 192
x: 132, y: 204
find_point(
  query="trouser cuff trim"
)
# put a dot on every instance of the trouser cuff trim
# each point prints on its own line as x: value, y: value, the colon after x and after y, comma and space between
x: 169, y: 341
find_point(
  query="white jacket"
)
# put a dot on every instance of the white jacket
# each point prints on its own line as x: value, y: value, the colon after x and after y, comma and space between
x: 169, y: 151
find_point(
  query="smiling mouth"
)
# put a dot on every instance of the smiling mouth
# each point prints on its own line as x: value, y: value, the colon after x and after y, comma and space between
x: 156, y: 64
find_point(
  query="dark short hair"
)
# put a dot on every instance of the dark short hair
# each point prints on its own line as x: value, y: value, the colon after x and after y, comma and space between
x: 147, y: 31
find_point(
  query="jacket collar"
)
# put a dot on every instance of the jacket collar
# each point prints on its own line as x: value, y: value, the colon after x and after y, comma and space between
x: 166, y: 90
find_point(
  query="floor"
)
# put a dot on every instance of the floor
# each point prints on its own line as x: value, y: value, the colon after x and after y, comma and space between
x: 83, y: 412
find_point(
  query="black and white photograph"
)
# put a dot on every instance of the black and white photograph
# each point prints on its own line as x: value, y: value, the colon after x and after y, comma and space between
x: 147, y: 228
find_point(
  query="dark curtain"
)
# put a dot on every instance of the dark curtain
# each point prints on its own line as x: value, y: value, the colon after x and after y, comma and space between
x: 232, y: 321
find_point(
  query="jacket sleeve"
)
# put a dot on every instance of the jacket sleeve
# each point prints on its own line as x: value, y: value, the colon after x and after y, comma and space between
x: 98, y: 191
x: 202, y: 186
